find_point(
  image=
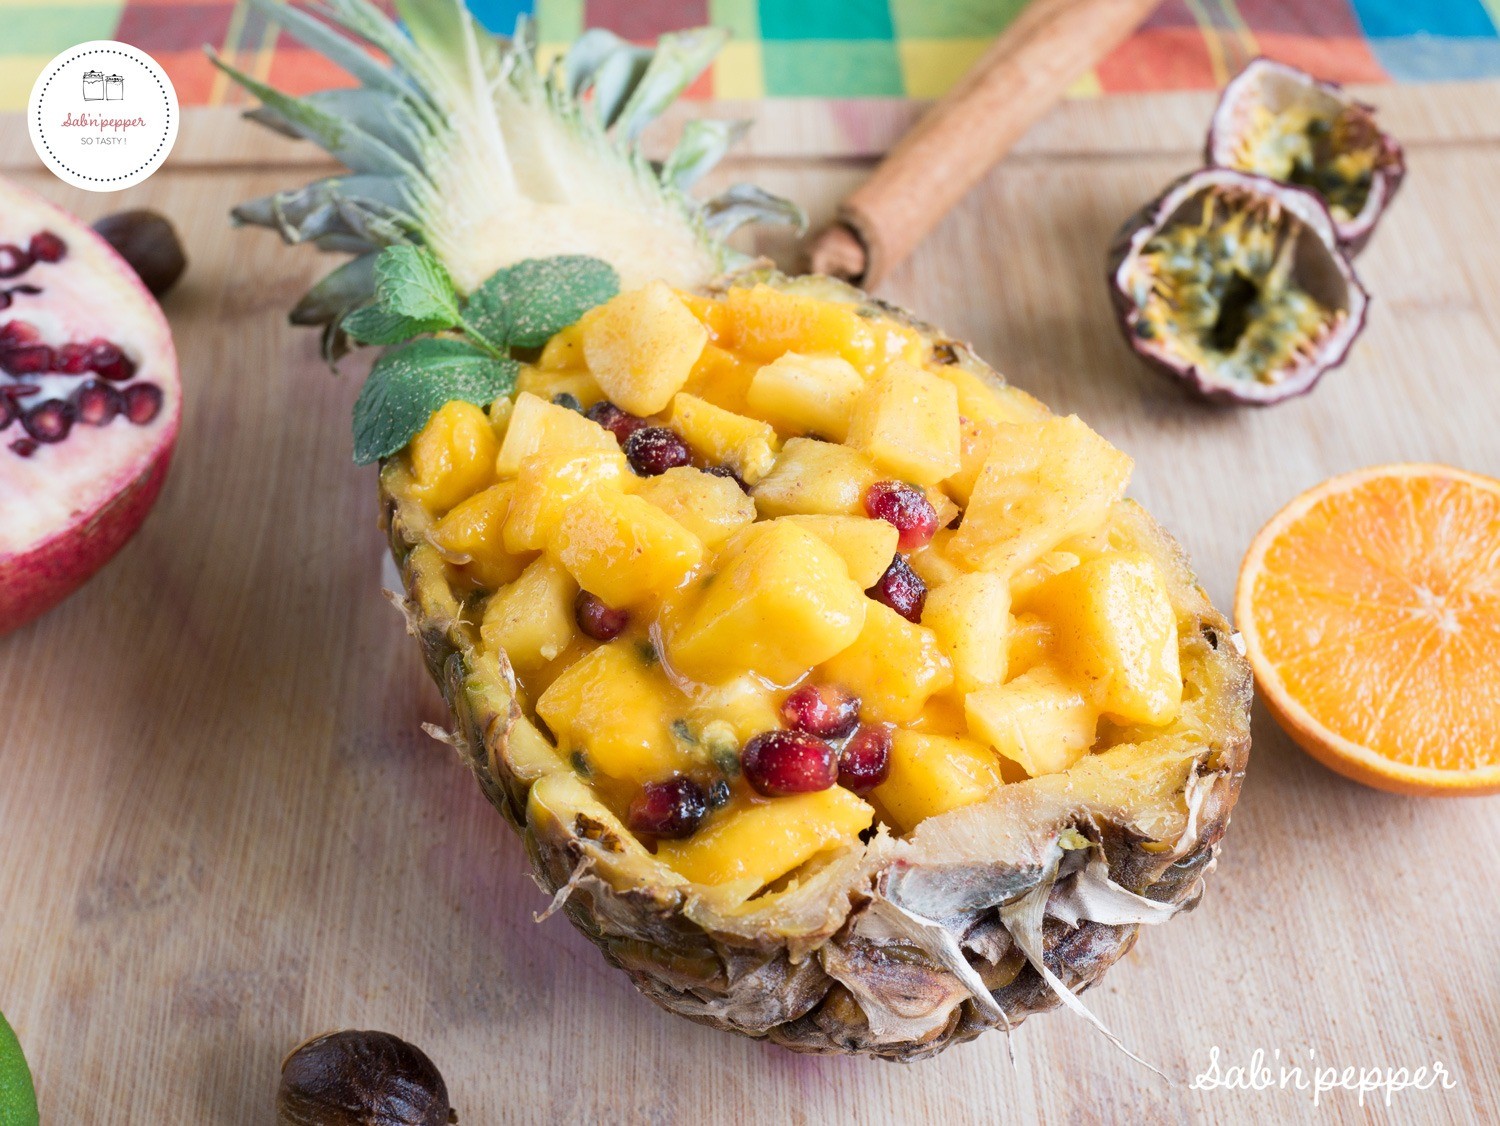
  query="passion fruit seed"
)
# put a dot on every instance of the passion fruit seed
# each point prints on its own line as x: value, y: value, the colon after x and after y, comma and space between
x: 13, y: 260
x: 71, y: 359
x: 652, y: 450
x: 142, y: 402
x: 597, y: 618
x: 825, y: 710
x: 902, y: 589
x: 865, y: 761
x: 729, y: 475
x: 778, y: 763
x: 107, y: 360
x: 670, y: 810
x: 358, y: 1078
x: 567, y: 401
x: 718, y: 794
x: 906, y: 507
x: 149, y: 244
x: 95, y: 403
x: 47, y: 247
x: 619, y: 423
x: 26, y: 359
x: 49, y: 421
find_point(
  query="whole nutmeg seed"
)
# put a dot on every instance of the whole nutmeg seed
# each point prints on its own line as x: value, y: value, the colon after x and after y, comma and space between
x: 149, y: 242
x: 361, y: 1078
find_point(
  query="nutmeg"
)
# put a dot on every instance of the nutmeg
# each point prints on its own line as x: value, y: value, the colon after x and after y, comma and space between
x: 361, y: 1078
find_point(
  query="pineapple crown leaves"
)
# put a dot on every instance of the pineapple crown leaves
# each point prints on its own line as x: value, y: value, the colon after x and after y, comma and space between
x: 463, y: 143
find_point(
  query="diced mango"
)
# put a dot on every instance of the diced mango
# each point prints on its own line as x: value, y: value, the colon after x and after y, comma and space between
x: 564, y: 352
x: 617, y: 706
x: 531, y: 620
x: 745, y: 706
x: 815, y: 477
x: 453, y: 456
x: 989, y: 399
x: 893, y: 666
x: 1038, y: 721
x: 624, y: 549
x: 868, y: 546
x: 549, y: 383
x: 969, y: 616
x: 807, y: 394
x: 641, y: 346
x: 712, y: 508
x: 1051, y: 564
x: 907, y: 422
x: 761, y: 841
x: 708, y: 310
x: 933, y: 774
x: 973, y: 447
x: 1042, y: 483
x: 780, y: 602
x: 746, y: 445
x: 537, y: 426
x: 722, y: 378
x: 765, y: 324
x: 1116, y: 631
x: 470, y: 536
x: 548, y: 483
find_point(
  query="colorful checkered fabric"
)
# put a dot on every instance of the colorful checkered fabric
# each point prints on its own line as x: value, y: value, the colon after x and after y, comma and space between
x: 826, y: 48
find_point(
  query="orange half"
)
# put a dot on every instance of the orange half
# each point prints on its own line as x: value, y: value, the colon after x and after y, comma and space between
x: 1370, y: 610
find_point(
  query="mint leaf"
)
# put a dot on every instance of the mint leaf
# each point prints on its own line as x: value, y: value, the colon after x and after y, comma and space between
x: 410, y: 382
x: 525, y: 305
x: 409, y: 280
x: 375, y: 324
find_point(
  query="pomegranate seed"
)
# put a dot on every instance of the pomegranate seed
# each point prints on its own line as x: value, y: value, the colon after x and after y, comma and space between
x: 142, y: 402
x: 13, y: 260
x: 107, y: 360
x: 905, y: 506
x: 789, y: 762
x: 47, y: 247
x: 672, y: 809
x: 8, y: 411
x: 71, y: 359
x: 729, y: 474
x: 96, y: 403
x: 49, y: 421
x: 24, y: 446
x: 597, y: 618
x: 652, y: 450
x: 902, y: 589
x: 825, y: 710
x: 616, y: 421
x: 26, y: 359
x: 19, y: 332
x: 866, y: 760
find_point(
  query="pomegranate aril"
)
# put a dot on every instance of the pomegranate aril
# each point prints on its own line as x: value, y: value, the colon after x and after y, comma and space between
x: 906, y: 507
x: 619, y: 423
x: 9, y: 412
x: 13, y: 260
x: 95, y: 403
x: 597, y: 618
x: 71, y: 359
x: 26, y: 359
x: 47, y: 247
x: 107, y: 360
x: 902, y: 589
x: 777, y: 763
x: 672, y: 809
x: 24, y: 446
x: 19, y: 332
x: 142, y: 402
x: 653, y: 450
x: 49, y: 421
x: 866, y: 759
x: 825, y: 710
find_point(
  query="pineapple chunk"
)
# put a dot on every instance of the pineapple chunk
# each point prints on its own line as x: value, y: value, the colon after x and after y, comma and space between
x: 722, y: 378
x: 989, y: 400
x: 624, y: 549
x: 907, y: 421
x: 746, y: 445
x: 969, y: 616
x: 759, y: 842
x: 1116, y: 631
x: 973, y: 447
x: 815, y: 478
x: 893, y: 666
x: 781, y: 602
x: 765, y: 324
x: 564, y: 352
x: 537, y: 426
x: 712, y: 508
x: 532, y: 618
x: 470, y: 535
x: 807, y: 394
x: 641, y: 347
x: 1030, y: 642
x: 617, y: 706
x: 1041, y: 484
x: 932, y: 774
x: 1038, y: 721
x: 548, y: 383
x: 548, y: 483
x: 934, y: 563
x: 453, y: 456
x: 868, y: 546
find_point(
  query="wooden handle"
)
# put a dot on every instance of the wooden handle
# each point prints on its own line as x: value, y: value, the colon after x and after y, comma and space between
x: 1018, y: 79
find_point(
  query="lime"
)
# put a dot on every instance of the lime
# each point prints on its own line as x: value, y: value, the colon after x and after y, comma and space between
x: 17, y: 1096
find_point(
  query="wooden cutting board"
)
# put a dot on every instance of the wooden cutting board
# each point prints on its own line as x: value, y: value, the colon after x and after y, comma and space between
x: 223, y: 829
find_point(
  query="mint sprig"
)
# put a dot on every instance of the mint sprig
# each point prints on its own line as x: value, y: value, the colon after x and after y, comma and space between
x: 413, y: 296
x: 527, y: 304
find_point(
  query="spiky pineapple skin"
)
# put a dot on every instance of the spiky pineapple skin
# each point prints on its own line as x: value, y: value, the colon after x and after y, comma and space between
x: 774, y: 987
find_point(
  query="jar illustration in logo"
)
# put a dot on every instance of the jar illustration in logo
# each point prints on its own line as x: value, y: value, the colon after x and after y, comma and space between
x: 114, y: 88
x: 93, y: 86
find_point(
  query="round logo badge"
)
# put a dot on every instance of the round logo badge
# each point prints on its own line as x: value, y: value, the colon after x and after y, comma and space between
x: 103, y: 116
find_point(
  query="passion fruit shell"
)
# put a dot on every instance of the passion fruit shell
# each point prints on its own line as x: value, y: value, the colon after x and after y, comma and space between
x: 1275, y: 120
x: 1235, y: 285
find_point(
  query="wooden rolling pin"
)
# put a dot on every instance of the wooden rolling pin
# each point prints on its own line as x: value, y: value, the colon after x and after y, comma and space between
x: 1018, y: 79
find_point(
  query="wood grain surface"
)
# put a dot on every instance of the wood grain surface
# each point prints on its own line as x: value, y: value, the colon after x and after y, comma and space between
x: 222, y: 829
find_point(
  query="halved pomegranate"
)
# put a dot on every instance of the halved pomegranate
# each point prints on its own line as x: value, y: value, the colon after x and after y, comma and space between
x: 81, y: 459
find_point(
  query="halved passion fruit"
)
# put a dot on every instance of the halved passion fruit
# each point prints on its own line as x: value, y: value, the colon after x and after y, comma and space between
x: 1235, y: 285
x: 1277, y: 121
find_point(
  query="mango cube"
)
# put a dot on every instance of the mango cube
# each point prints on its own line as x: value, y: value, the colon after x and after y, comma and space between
x: 1029, y: 642
x: 531, y: 620
x: 712, y: 508
x: 932, y: 774
x: 537, y: 426
x: 807, y: 394
x: 781, y: 602
x: 1039, y: 721
x: 1117, y: 632
x: 907, y: 422
x: 722, y: 378
x: 815, y: 478
x: 453, y: 456
x: 765, y: 324
x: 746, y: 445
x: 893, y: 666
x: 471, y: 536
x: 989, y: 399
x: 641, y: 347
x: 548, y: 383
x: 624, y: 549
x: 868, y: 546
x: 548, y: 483
x: 969, y: 616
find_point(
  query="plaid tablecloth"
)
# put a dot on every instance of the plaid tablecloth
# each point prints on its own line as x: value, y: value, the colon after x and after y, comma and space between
x: 820, y: 48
